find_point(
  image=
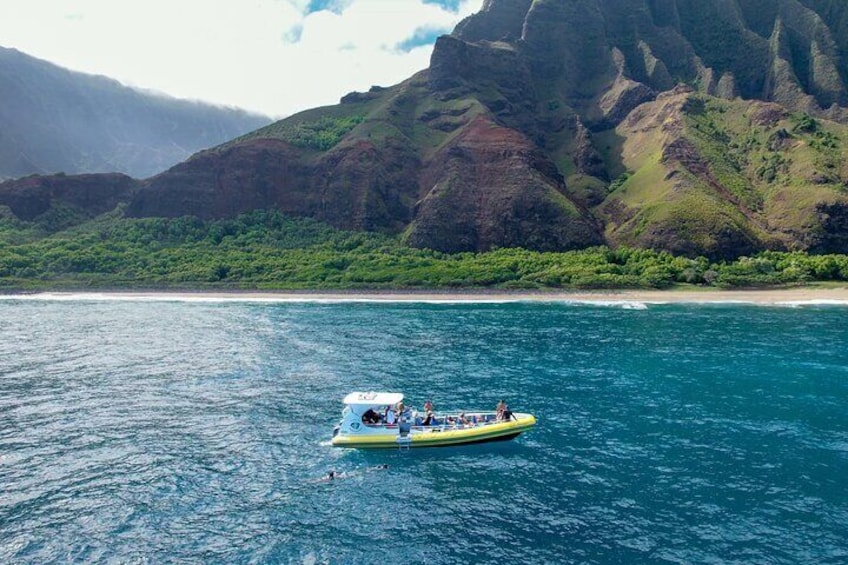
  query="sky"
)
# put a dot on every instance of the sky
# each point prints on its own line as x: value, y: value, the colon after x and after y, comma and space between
x: 275, y: 57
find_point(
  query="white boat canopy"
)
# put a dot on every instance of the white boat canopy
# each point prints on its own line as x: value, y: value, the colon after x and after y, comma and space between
x: 372, y: 398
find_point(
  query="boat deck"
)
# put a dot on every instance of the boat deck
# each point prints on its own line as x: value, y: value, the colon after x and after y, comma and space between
x: 443, y: 434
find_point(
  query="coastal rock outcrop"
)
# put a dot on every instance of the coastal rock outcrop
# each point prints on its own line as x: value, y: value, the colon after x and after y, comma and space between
x: 30, y: 197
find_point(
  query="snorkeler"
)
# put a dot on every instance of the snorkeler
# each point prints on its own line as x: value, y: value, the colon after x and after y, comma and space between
x: 332, y: 474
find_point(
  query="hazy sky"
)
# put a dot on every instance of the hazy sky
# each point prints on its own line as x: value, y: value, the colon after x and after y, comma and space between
x: 271, y: 56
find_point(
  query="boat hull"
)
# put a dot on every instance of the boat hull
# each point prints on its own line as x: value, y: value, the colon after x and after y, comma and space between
x: 438, y: 436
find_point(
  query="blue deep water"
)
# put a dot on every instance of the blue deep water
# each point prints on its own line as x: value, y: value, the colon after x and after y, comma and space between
x: 155, y: 431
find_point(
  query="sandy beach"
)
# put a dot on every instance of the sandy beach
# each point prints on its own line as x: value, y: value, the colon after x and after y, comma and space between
x: 791, y: 296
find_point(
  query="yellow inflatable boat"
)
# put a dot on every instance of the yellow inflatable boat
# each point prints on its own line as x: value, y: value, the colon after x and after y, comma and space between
x: 364, y: 424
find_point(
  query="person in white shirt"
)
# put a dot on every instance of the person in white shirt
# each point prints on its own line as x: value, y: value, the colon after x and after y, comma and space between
x: 390, y: 416
x: 403, y: 413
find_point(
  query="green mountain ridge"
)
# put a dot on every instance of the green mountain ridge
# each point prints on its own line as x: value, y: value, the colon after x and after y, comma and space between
x: 711, y: 128
x: 55, y: 120
x: 706, y: 175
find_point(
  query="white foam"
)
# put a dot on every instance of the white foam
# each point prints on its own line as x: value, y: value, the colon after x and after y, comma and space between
x: 213, y: 298
x: 812, y: 302
x: 627, y: 303
x: 623, y: 304
x: 247, y: 298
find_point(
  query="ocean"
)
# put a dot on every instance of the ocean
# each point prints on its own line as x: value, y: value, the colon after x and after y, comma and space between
x: 195, y: 430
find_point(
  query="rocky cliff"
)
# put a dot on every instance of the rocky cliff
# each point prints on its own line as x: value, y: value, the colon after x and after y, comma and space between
x: 31, y: 197
x: 704, y: 127
x: 786, y: 51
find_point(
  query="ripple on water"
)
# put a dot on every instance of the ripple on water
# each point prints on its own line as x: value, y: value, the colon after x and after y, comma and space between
x: 197, y: 432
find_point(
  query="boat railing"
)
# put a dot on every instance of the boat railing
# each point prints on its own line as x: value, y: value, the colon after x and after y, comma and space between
x: 472, y: 420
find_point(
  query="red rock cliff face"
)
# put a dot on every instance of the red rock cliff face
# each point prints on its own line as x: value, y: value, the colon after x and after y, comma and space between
x: 490, y: 188
x: 30, y: 197
x: 353, y: 186
x: 245, y: 177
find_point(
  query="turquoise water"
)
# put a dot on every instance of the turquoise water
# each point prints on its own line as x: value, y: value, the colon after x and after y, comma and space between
x: 195, y: 432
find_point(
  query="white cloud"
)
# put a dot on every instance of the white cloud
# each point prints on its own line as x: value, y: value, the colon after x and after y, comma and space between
x: 234, y: 52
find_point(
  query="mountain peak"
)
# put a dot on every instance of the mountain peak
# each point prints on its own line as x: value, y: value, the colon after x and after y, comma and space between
x: 783, y: 51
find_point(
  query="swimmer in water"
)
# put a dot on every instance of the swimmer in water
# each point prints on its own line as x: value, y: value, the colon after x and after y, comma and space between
x: 332, y: 474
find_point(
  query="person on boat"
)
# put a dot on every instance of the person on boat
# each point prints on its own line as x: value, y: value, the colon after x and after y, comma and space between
x: 504, y: 413
x: 462, y: 420
x: 499, y: 411
x: 428, y: 406
x: 370, y: 417
x: 430, y: 420
x: 391, y: 417
x: 403, y: 414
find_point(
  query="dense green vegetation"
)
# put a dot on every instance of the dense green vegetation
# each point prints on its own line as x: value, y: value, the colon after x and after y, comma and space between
x: 265, y: 250
x: 321, y: 133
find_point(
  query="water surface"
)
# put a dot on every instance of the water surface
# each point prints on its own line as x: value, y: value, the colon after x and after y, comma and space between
x: 196, y: 432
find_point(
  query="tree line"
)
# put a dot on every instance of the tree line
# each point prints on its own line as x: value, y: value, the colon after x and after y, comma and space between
x: 267, y: 250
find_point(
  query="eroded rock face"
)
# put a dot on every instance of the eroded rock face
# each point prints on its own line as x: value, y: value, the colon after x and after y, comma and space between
x: 789, y: 51
x: 503, y: 21
x: 587, y: 159
x: 365, y: 187
x: 492, y: 188
x: 354, y: 186
x: 833, y: 237
x: 212, y: 184
x: 96, y: 194
x: 495, y: 73
x: 714, y: 241
x: 619, y: 100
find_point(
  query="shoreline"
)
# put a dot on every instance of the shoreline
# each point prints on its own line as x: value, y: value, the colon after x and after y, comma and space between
x: 788, y: 296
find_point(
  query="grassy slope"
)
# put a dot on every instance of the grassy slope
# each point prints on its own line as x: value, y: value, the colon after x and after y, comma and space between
x: 771, y: 176
x: 401, y: 111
